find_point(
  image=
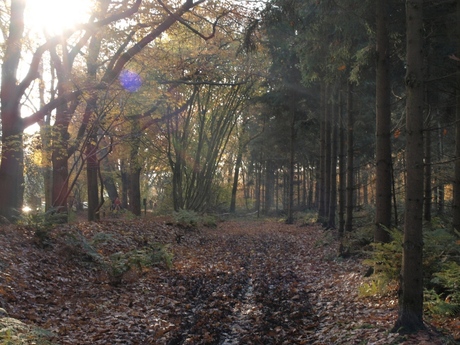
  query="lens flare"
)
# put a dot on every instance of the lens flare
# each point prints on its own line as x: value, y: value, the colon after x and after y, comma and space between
x: 131, y: 81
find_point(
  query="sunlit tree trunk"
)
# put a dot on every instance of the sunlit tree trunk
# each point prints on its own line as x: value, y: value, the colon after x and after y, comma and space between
x: 410, y: 318
x: 236, y: 174
x: 12, y: 162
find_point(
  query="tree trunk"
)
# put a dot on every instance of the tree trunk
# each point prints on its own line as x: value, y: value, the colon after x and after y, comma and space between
x: 383, y: 127
x: 328, y: 162
x: 239, y: 159
x: 456, y: 182
x: 334, y: 148
x: 342, y: 168
x: 269, y: 186
x: 440, y: 153
x: 428, y: 187
x: 12, y: 161
x: 410, y: 318
x: 134, y: 192
x: 92, y: 181
x: 135, y: 168
x: 290, y: 208
x: 350, y: 161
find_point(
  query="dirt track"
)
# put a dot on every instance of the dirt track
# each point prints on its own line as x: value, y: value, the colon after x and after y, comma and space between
x: 240, y: 283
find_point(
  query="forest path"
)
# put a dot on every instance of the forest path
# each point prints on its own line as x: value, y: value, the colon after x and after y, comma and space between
x: 244, y: 282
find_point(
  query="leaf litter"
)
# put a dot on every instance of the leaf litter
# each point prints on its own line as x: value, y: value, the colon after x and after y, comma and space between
x: 243, y: 282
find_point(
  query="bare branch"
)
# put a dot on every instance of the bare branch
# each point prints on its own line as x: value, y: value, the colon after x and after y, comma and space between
x: 188, y: 26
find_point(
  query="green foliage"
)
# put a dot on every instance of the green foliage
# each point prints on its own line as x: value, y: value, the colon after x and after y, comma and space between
x: 361, y: 237
x: 186, y: 218
x: 325, y: 240
x: 375, y: 286
x: 440, y: 267
x: 308, y: 217
x: 440, y: 247
x: 449, y: 279
x: 41, y: 223
x: 434, y: 303
x: 15, y: 332
x: 79, y: 247
x: 119, y: 264
x: 387, y: 257
x: 191, y: 219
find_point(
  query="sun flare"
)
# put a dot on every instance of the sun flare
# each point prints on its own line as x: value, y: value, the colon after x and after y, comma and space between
x: 55, y: 16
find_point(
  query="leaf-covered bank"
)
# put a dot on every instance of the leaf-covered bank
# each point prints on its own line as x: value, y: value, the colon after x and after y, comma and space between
x: 242, y: 282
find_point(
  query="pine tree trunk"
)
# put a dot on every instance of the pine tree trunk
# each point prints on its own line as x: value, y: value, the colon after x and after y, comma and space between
x: 342, y: 169
x: 328, y: 160
x: 383, y: 127
x: 427, y: 197
x: 456, y: 182
x: 290, y: 199
x: 410, y: 318
x: 350, y: 160
x: 321, y: 179
x: 334, y: 148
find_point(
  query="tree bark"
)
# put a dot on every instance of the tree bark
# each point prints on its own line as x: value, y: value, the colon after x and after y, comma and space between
x: 456, y: 182
x: 321, y: 180
x: 12, y: 161
x: 383, y: 127
x: 290, y: 206
x: 236, y: 174
x: 333, y: 173
x: 410, y: 318
x: 350, y: 160
x: 342, y: 168
x: 92, y: 180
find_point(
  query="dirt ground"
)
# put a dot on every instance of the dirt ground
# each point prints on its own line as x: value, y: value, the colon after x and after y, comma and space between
x: 242, y: 282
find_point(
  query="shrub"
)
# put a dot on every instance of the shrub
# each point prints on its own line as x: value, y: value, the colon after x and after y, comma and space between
x: 120, y: 264
x: 448, y: 295
x: 41, y: 223
x: 15, y: 332
x: 441, y: 270
x: 186, y: 218
x: 191, y: 219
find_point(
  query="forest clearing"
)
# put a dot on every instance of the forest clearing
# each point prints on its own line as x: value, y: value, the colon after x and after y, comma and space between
x: 246, y: 281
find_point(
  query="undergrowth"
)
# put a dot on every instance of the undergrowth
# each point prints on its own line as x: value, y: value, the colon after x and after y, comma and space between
x: 441, y: 259
x: 118, y: 265
x: 15, y: 332
x: 190, y: 219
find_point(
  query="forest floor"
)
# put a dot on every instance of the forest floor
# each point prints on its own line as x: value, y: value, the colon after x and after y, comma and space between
x: 242, y: 282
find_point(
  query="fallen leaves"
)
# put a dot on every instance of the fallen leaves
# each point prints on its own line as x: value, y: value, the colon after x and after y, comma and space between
x: 240, y: 283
